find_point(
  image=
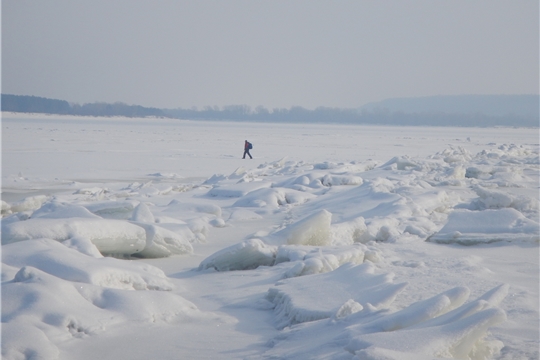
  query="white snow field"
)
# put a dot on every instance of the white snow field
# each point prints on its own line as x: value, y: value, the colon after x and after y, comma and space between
x: 153, y: 239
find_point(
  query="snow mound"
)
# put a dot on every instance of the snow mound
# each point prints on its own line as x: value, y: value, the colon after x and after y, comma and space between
x: 48, y: 310
x: 314, y: 297
x: 474, y: 227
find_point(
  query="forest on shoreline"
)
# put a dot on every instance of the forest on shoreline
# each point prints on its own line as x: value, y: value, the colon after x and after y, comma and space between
x: 373, y: 114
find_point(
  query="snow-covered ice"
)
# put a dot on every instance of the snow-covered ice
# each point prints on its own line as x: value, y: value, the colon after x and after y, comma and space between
x: 152, y: 238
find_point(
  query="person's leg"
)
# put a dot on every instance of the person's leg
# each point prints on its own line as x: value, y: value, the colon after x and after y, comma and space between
x: 251, y: 157
x: 243, y: 157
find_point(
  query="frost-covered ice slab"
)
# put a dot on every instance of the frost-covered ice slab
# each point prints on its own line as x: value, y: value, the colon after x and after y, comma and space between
x: 112, y: 209
x: 308, y: 260
x: 249, y: 254
x: 161, y: 242
x: 238, y: 190
x: 497, y: 199
x: 273, y: 198
x: 112, y: 237
x: 314, y: 297
x: 58, y: 210
x: 313, y: 230
x: 315, y: 260
x: 453, y: 341
x: 473, y: 227
x: 58, y: 260
x: 306, y: 242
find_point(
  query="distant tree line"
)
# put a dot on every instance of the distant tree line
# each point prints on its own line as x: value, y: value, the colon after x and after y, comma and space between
x: 295, y: 114
x: 34, y: 104
x: 329, y: 115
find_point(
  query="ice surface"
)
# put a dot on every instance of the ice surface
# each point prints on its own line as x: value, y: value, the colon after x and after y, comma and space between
x: 315, y: 238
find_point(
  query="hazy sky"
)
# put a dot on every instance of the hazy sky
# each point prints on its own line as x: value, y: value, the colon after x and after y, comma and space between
x: 272, y: 53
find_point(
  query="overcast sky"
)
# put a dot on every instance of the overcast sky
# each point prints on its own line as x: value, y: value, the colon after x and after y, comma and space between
x: 274, y: 53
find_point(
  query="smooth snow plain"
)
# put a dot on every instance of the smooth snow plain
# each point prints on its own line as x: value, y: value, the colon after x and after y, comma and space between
x: 153, y: 239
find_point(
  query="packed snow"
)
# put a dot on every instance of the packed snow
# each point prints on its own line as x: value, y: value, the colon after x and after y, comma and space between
x: 152, y: 238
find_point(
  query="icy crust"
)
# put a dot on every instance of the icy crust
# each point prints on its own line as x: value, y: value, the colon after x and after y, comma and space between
x: 315, y: 297
x: 443, y: 326
x: 58, y: 293
x: 437, y: 327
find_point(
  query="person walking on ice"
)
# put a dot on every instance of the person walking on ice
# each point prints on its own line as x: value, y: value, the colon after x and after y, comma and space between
x: 247, y: 147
